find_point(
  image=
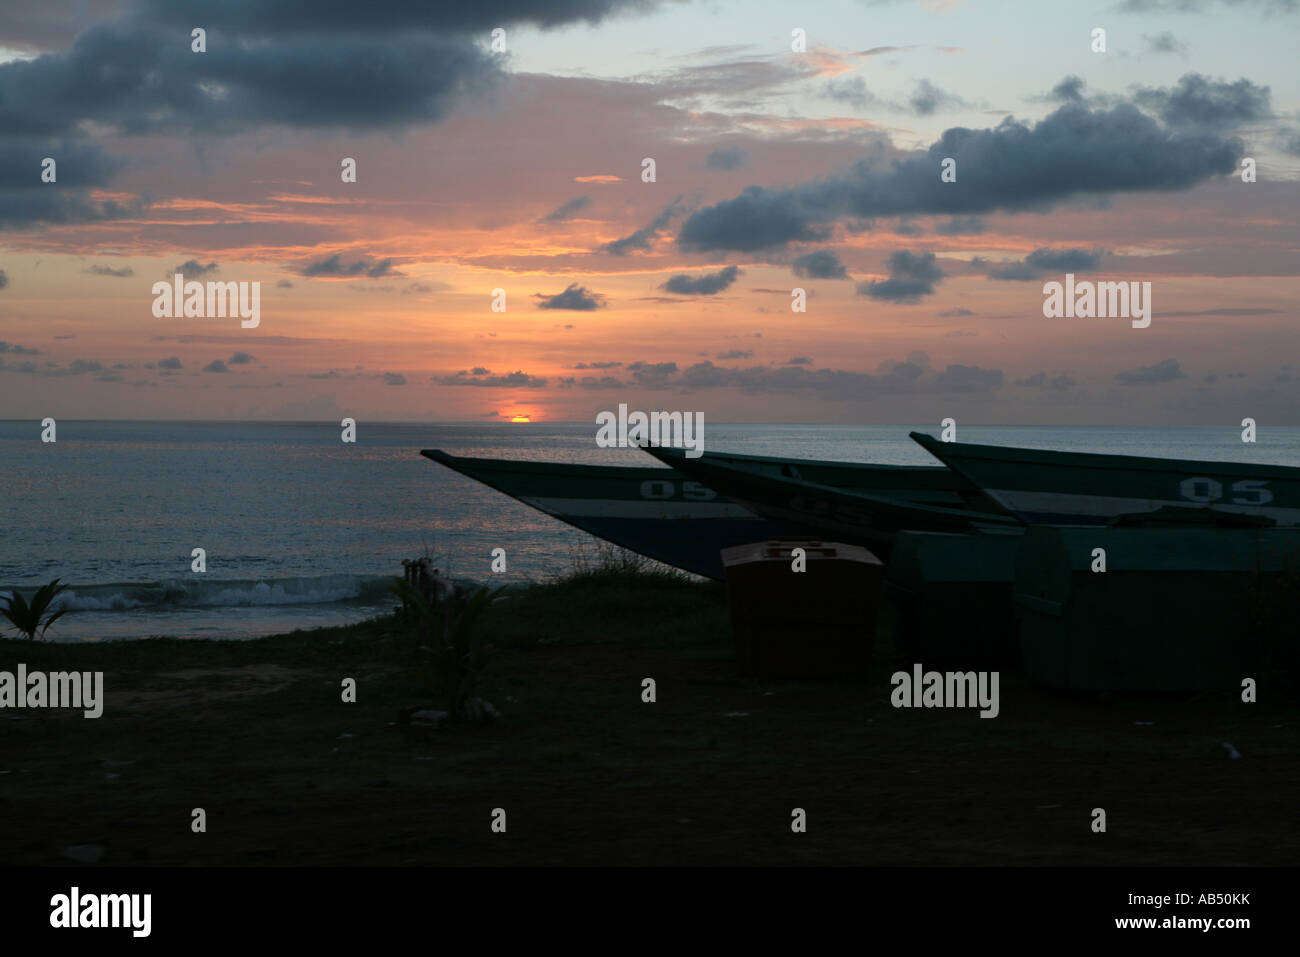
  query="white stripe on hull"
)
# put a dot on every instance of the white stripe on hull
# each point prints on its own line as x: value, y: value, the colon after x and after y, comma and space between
x: 618, y: 508
x: 1108, y: 506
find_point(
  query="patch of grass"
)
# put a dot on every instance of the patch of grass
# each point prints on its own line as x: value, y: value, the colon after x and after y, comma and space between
x: 612, y: 604
x: 604, y: 563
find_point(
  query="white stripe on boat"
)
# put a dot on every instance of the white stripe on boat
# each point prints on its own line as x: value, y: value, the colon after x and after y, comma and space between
x: 616, y: 508
x: 1108, y: 506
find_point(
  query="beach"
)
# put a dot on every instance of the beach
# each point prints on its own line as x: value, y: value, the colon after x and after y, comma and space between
x: 256, y: 733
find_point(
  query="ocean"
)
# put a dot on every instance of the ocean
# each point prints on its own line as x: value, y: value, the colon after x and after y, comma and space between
x: 301, y: 530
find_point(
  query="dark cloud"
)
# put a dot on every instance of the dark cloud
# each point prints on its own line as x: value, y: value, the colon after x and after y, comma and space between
x: 575, y: 297
x: 241, y: 359
x: 735, y: 354
x: 293, y: 17
x: 756, y: 219
x: 334, y: 266
x: 927, y: 99
x: 708, y: 284
x: 1200, y: 102
x: 726, y: 158
x: 1041, y: 262
x: 954, y: 313
x: 592, y: 382
x: 13, y: 349
x: 911, y: 276
x: 122, y: 273
x: 1015, y: 166
x: 267, y: 62
x: 820, y: 264
x: 517, y: 378
x: 170, y: 363
x: 851, y: 90
x: 652, y: 375
x: 598, y: 365
x: 216, y: 365
x: 394, y: 378
x: 81, y: 167
x: 1164, y: 42
x: 284, y: 284
x: 75, y: 367
x: 643, y: 237
x: 193, y: 269
x: 799, y: 361
x: 566, y: 210
x: 1165, y: 371
x: 4, y: 279
x: 136, y: 76
x: 1069, y: 90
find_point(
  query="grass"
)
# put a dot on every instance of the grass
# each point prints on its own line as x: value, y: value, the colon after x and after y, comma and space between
x: 255, y: 733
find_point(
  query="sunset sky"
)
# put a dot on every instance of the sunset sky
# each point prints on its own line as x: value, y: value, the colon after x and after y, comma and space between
x: 522, y: 171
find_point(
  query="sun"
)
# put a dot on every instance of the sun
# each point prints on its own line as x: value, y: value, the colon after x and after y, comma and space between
x: 521, y: 418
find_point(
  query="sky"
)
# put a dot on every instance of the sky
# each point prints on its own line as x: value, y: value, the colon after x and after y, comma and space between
x: 796, y: 146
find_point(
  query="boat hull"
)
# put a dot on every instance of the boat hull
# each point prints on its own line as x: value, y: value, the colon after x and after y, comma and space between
x: 807, y: 508
x: 1083, y: 488
x: 652, y: 511
x: 675, y: 518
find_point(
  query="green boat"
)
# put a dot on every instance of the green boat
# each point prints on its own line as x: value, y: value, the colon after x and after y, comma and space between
x: 1187, y: 599
x: 1083, y: 488
x: 862, y: 515
x: 674, y: 517
x: 949, y: 597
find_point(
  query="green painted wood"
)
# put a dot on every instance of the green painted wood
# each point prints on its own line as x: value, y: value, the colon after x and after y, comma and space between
x: 1177, y: 609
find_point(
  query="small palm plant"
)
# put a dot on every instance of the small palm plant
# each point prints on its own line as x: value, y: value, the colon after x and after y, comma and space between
x: 34, y: 617
x: 448, y: 631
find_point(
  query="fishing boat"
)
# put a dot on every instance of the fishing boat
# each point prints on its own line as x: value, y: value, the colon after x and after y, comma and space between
x: 672, y: 516
x: 1189, y: 599
x: 1084, y: 488
x: 858, y: 515
x: 948, y: 597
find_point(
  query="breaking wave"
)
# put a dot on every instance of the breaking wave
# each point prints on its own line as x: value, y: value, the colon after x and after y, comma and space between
x: 216, y: 593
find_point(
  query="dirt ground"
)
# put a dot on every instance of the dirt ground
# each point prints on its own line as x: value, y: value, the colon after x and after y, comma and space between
x: 255, y: 733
